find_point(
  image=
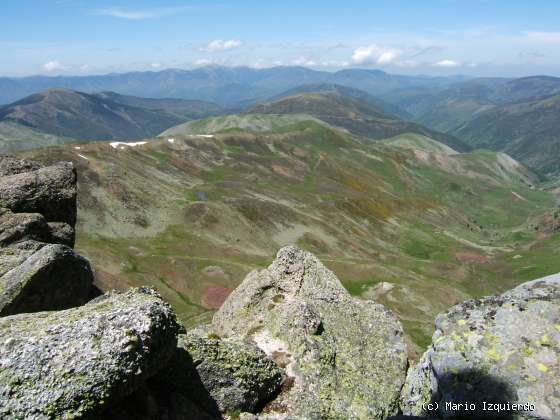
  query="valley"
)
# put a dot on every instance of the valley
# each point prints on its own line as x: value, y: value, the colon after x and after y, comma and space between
x: 407, y: 221
x: 190, y: 196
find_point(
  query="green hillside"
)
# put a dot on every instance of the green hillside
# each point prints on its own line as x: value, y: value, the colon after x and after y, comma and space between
x: 53, y: 116
x: 383, y: 106
x: 250, y: 122
x: 419, y: 142
x: 183, y: 109
x: 417, y: 231
x: 356, y: 116
x: 14, y: 137
x: 528, y: 131
x: 450, y: 107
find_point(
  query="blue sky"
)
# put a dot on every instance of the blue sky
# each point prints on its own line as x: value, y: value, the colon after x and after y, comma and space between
x: 476, y: 37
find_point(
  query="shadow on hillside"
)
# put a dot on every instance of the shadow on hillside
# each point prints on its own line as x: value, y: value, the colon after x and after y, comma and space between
x: 469, y: 394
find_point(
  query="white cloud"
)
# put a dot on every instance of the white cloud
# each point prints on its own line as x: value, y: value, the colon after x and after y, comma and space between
x: 375, y: 54
x: 447, y: 63
x: 203, y: 62
x: 53, y: 65
x: 84, y: 68
x: 334, y: 63
x: 545, y: 37
x: 303, y: 61
x: 155, y: 65
x: 140, y: 14
x: 221, y: 45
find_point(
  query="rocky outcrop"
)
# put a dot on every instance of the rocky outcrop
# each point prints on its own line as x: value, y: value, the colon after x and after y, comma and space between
x: 76, y: 362
x: 53, y: 277
x: 344, y: 357
x: 49, y: 190
x: 38, y: 269
x: 502, y: 349
x: 214, y: 376
x: 288, y: 343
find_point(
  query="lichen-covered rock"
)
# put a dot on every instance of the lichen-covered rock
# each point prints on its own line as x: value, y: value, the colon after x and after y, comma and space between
x: 501, y: 349
x: 10, y: 165
x: 43, y: 278
x: 216, y: 376
x: 344, y: 357
x: 50, y: 191
x: 77, y: 362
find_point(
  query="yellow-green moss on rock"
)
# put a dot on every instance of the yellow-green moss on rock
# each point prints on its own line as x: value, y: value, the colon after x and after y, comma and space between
x: 344, y: 357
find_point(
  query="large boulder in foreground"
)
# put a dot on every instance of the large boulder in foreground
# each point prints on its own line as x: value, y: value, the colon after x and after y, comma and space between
x: 501, y: 349
x: 344, y: 357
x: 42, y: 278
x: 211, y: 376
x: 77, y: 362
x: 28, y: 187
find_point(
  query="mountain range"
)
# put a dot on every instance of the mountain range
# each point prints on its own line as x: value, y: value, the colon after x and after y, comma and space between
x: 368, y: 119
x: 394, y: 207
x: 227, y: 86
x: 460, y: 107
x: 517, y: 116
x: 193, y: 210
x: 60, y: 116
x: 65, y: 114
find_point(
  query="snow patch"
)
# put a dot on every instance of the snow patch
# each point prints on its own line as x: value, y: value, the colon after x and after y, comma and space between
x: 205, y: 136
x: 83, y: 157
x: 77, y: 147
x: 116, y: 144
x: 171, y: 140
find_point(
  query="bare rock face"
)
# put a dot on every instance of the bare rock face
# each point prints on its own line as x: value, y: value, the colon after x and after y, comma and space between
x: 500, y: 349
x: 38, y: 269
x: 77, y: 362
x: 10, y: 165
x: 53, y: 277
x: 343, y: 357
x: 50, y: 191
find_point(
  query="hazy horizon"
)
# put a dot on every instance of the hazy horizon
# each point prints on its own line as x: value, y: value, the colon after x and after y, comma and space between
x: 478, y: 38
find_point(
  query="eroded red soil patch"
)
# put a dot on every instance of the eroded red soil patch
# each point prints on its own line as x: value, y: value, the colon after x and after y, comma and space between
x: 471, y: 257
x: 214, y: 296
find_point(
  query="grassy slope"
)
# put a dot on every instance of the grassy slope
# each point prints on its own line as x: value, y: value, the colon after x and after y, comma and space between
x: 407, y: 228
x: 14, y: 137
x: 249, y: 122
x: 419, y: 142
x: 360, y: 95
x: 356, y: 116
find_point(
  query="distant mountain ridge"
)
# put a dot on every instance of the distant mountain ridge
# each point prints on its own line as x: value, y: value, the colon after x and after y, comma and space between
x: 448, y: 108
x: 529, y: 131
x: 224, y: 85
x: 58, y: 116
x: 518, y: 116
